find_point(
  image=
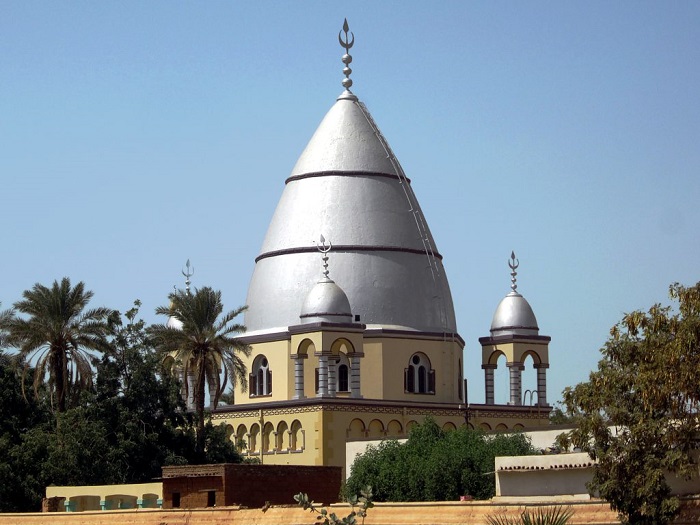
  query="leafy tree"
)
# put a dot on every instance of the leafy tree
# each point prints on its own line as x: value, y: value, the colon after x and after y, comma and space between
x: 434, y: 465
x: 205, y: 345
x: 140, y: 405
x: 17, y: 417
x: 60, y: 334
x: 560, y: 416
x: 638, y: 413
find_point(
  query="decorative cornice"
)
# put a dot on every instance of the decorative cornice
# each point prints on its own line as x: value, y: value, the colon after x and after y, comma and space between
x: 491, y: 340
x: 368, y: 333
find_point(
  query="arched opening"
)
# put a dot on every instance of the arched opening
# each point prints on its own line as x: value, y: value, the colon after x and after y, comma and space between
x: 295, y: 438
x: 501, y: 381
x: 356, y: 430
x: 501, y: 427
x: 376, y: 429
x: 149, y: 501
x: 260, y: 378
x: 419, y: 376
x: 282, y: 437
x: 529, y: 378
x: 82, y: 503
x: 241, y: 441
x: 485, y: 426
x: 394, y: 429
x: 449, y: 426
x: 267, y: 438
x: 120, y: 501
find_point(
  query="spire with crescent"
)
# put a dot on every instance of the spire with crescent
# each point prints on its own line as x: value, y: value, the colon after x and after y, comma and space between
x: 347, y: 58
x: 324, y: 248
x: 513, y: 265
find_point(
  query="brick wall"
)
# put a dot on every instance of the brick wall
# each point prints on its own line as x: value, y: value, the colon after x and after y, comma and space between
x: 249, y: 485
x: 194, y: 491
x: 253, y: 485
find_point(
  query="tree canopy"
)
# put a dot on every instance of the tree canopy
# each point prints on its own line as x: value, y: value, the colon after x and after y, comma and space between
x: 59, y: 332
x: 434, y: 464
x: 122, y: 430
x: 205, y: 345
x: 638, y: 412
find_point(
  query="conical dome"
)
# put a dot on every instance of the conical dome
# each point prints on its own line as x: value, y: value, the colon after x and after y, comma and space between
x: 348, y: 185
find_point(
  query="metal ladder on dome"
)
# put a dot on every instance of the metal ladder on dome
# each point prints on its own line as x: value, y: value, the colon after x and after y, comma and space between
x: 414, y: 208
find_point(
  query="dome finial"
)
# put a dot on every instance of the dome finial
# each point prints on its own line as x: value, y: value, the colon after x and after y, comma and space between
x: 513, y: 265
x: 187, y: 275
x: 324, y: 249
x: 347, y: 59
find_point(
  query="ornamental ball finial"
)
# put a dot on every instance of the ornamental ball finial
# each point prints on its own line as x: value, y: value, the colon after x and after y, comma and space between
x: 513, y: 265
x: 346, y: 43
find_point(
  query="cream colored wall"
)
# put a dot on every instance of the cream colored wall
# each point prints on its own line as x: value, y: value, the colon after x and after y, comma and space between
x: 381, y: 367
x: 109, y: 493
x: 514, y: 351
x: 277, y: 353
x: 444, y: 358
x: 308, y: 449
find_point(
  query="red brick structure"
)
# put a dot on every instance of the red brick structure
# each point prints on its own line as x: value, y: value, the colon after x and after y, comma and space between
x: 197, y: 486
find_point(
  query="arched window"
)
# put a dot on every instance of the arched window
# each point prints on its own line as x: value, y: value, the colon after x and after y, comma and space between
x: 260, y: 378
x: 419, y: 377
x: 342, y: 373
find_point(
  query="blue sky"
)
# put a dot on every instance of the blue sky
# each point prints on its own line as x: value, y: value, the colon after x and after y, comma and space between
x: 136, y: 135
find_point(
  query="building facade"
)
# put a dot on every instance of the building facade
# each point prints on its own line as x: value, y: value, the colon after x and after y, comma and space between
x: 350, y: 314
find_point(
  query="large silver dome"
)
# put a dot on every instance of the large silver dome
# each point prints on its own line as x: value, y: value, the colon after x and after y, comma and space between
x: 514, y: 316
x: 347, y: 186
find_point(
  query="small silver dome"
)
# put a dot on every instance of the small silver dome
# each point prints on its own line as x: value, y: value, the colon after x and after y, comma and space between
x: 174, y: 322
x: 514, y: 316
x: 326, y: 302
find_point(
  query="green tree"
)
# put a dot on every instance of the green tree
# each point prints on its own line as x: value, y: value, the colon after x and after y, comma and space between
x: 638, y: 412
x: 59, y: 333
x: 205, y: 345
x: 434, y: 465
x: 18, y: 487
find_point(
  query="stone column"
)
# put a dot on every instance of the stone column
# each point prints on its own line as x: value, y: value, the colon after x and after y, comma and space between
x: 488, y: 382
x: 542, y: 384
x: 299, y: 376
x: 516, y: 389
x: 322, y: 375
x: 332, y: 383
x: 355, y: 374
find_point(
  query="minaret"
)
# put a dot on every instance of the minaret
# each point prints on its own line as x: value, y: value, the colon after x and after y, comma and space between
x: 349, y: 184
x: 515, y: 334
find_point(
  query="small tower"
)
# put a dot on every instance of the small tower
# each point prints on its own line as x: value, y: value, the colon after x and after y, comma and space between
x: 515, y: 334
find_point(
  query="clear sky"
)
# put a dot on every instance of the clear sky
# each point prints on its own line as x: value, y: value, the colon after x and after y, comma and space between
x: 135, y: 135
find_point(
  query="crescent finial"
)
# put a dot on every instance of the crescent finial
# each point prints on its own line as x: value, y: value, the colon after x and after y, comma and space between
x: 347, y: 43
x: 513, y: 265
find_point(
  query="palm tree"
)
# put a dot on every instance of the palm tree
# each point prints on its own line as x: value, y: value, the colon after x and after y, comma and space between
x: 5, y: 317
x: 59, y: 333
x: 204, y: 344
